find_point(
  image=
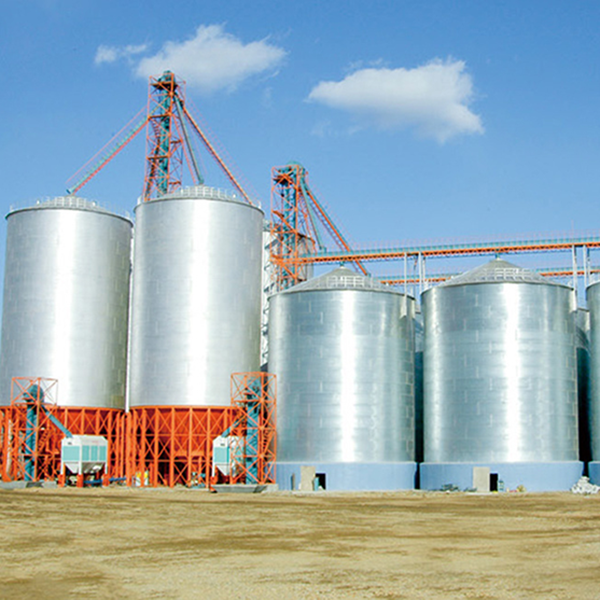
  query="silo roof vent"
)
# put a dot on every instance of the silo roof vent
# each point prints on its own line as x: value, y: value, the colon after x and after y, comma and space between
x: 341, y: 278
x: 200, y: 191
x: 69, y: 202
x: 497, y: 271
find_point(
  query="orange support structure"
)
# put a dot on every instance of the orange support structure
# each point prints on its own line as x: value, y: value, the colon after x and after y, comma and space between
x: 28, y: 435
x: 156, y: 445
x: 28, y: 430
x: 254, y: 447
x: 165, y: 137
x: 107, y: 422
x: 297, y: 217
x: 563, y: 243
x: 172, y: 445
x: 292, y: 228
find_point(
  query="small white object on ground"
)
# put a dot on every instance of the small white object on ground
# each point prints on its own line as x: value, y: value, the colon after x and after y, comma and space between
x: 583, y: 486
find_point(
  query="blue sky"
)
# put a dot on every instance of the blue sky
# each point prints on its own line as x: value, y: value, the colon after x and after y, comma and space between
x: 416, y: 120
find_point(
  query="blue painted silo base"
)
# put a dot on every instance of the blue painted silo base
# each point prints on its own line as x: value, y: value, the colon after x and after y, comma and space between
x: 352, y: 476
x: 594, y: 472
x: 535, y: 477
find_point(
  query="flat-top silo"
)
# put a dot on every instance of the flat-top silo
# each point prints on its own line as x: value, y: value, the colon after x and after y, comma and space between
x: 342, y: 348
x: 196, y: 300
x: 500, y: 380
x: 66, y: 294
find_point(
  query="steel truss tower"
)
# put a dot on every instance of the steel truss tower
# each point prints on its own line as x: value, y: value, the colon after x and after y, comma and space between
x: 299, y: 225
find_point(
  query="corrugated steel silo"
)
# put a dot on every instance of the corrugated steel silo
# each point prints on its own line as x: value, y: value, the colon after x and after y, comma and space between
x: 342, y: 347
x: 582, y: 344
x: 196, y: 300
x: 500, y: 379
x: 593, y: 302
x: 66, y: 293
x: 419, y: 342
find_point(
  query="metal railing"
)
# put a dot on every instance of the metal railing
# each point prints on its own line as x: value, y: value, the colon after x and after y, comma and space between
x: 72, y: 202
x: 200, y: 191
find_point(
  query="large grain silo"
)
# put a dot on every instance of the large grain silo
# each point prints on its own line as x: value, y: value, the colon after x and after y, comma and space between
x: 342, y: 348
x: 196, y: 300
x: 196, y: 318
x: 593, y: 302
x: 66, y: 293
x: 500, y: 380
x: 66, y: 296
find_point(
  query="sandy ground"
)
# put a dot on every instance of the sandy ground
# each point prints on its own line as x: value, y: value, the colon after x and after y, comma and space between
x: 127, y: 543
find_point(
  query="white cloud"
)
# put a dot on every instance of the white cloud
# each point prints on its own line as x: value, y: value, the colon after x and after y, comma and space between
x: 267, y: 97
x: 213, y: 60
x: 110, y: 54
x: 322, y: 129
x: 433, y: 98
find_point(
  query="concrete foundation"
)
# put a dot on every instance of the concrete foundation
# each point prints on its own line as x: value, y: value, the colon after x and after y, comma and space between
x: 481, y: 479
x: 594, y: 472
x: 350, y: 476
x: 308, y: 475
x: 21, y: 485
x: 535, y: 477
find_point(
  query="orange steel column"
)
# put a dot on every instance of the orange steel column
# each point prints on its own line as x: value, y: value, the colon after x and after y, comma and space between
x: 292, y: 229
x: 31, y: 449
x: 106, y: 422
x: 6, y: 420
x: 254, y: 453
x: 164, y: 137
x: 174, y: 443
x: 129, y: 448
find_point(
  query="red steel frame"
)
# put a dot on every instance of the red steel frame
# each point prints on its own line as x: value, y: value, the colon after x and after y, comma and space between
x: 453, y: 250
x: 254, y: 462
x: 153, y: 445
x: 296, y: 214
x: 439, y: 277
x: 27, y: 430
x: 172, y: 445
x: 213, y: 152
x: 164, y: 143
x: 107, y: 422
x: 167, y: 143
x: 292, y: 230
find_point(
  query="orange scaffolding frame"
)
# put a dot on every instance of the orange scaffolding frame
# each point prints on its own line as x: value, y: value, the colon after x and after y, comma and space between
x: 149, y: 446
x: 42, y: 447
x: 292, y: 228
x: 254, y: 447
x: 172, y: 445
x: 107, y: 422
x: 164, y: 139
x: 297, y: 217
x: 27, y: 452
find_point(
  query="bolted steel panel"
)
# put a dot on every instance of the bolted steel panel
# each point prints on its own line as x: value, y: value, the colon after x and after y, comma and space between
x: 500, y: 369
x: 343, y: 352
x: 66, y: 294
x: 196, y: 300
x: 593, y: 302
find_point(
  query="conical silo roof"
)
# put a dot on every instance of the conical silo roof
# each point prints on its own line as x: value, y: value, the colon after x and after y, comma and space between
x: 341, y: 278
x: 68, y: 202
x: 498, y: 271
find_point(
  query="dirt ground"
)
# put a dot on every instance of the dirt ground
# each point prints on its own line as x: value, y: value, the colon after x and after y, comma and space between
x: 128, y: 543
